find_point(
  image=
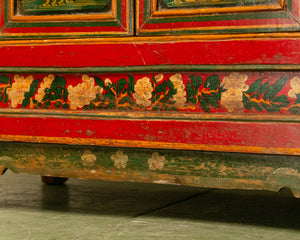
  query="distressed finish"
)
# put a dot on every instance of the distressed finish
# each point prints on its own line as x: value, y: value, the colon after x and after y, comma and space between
x: 204, y: 169
x: 136, y: 90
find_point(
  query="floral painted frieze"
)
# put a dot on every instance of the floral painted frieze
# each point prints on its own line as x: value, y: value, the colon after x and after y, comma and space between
x: 207, y: 93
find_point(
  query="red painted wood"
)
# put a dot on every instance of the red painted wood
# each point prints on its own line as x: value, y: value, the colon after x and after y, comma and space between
x: 269, y: 135
x: 285, y: 51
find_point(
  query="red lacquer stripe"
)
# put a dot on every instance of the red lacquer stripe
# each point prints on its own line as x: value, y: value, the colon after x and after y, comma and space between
x: 143, y: 54
x: 244, y: 22
x: 269, y: 135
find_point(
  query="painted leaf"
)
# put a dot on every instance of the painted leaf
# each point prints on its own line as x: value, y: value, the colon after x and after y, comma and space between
x: 1, y: 97
x: 58, y: 81
x: 262, y: 89
x: 257, y: 106
x: 99, y: 82
x: 131, y: 83
x: 267, y: 107
x: 277, y: 87
x: 25, y: 102
x: 65, y: 106
x: 254, y: 86
x: 124, y: 100
x: 247, y: 103
x: 121, y: 85
x: 295, y: 110
x: 281, y: 98
x: 204, y: 104
x: 4, y: 79
x: 196, y: 81
x: 33, y: 87
x: 161, y: 87
x: 212, y: 82
x: 170, y: 84
x: 298, y: 98
x: 65, y: 94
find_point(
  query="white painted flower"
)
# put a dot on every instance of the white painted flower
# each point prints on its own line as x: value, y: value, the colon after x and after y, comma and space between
x: 143, y: 92
x: 295, y: 85
x: 120, y: 159
x: 180, y: 96
x: 88, y: 158
x: 83, y: 93
x: 47, y: 81
x: 235, y: 85
x: 18, y: 88
x: 156, y: 162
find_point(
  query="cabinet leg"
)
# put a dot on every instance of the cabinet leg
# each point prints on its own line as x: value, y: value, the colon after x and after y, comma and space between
x: 53, y: 180
x: 2, y: 170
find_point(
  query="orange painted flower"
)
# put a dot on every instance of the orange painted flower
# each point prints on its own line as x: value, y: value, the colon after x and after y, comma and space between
x: 179, y: 97
x: 18, y: 88
x: 83, y: 93
x: 47, y: 81
x: 143, y: 92
x: 235, y: 85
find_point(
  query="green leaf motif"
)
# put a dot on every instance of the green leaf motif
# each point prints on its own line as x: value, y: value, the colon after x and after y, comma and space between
x: 25, y: 102
x: 212, y: 82
x: 33, y: 87
x: 65, y: 94
x: 204, y: 104
x: 1, y: 97
x: 247, y: 103
x: 124, y: 100
x: 161, y: 87
x: 196, y: 81
x: 267, y: 107
x: 254, y: 86
x: 121, y: 85
x: 257, y: 106
x: 131, y: 84
x: 278, y: 86
x: 4, y: 79
x: 99, y: 82
x: 295, y: 110
x: 280, y: 99
x: 262, y: 89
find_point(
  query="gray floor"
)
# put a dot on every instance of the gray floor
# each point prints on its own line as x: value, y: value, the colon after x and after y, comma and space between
x: 90, y: 210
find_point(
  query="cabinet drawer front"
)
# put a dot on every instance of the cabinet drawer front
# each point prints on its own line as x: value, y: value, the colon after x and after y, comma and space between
x: 31, y: 19
x: 161, y: 17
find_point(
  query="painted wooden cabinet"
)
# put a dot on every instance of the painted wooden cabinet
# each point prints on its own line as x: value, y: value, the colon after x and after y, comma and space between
x: 193, y: 92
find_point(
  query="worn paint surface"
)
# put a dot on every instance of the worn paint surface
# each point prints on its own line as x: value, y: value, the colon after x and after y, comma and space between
x: 203, y: 169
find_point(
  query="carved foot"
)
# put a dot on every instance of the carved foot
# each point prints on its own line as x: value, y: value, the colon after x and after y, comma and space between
x: 2, y: 170
x: 53, y: 180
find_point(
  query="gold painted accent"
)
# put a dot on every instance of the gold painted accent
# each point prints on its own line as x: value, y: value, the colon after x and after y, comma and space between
x: 75, y: 17
x: 150, y: 144
x: 232, y: 98
x: 88, y: 159
x: 156, y: 162
x: 120, y: 159
x: 18, y: 88
x: 295, y: 85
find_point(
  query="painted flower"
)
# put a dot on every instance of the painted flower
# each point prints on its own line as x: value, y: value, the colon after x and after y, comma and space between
x: 83, y: 93
x: 120, y: 159
x: 159, y: 77
x: 295, y: 85
x: 156, y: 162
x: 143, y: 92
x: 88, y: 158
x: 107, y: 82
x: 179, y: 97
x: 18, y: 88
x: 47, y: 81
x: 235, y: 85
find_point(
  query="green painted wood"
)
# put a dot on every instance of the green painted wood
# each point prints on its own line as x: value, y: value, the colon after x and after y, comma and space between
x: 195, y: 168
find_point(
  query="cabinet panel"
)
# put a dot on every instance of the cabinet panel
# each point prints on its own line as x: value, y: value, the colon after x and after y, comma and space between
x: 161, y: 17
x: 65, y: 18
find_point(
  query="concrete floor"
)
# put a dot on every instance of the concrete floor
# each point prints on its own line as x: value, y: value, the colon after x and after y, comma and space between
x: 91, y: 210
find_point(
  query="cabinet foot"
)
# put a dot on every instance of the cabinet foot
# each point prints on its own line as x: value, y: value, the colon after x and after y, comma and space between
x: 53, y: 180
x: 2, y: 170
